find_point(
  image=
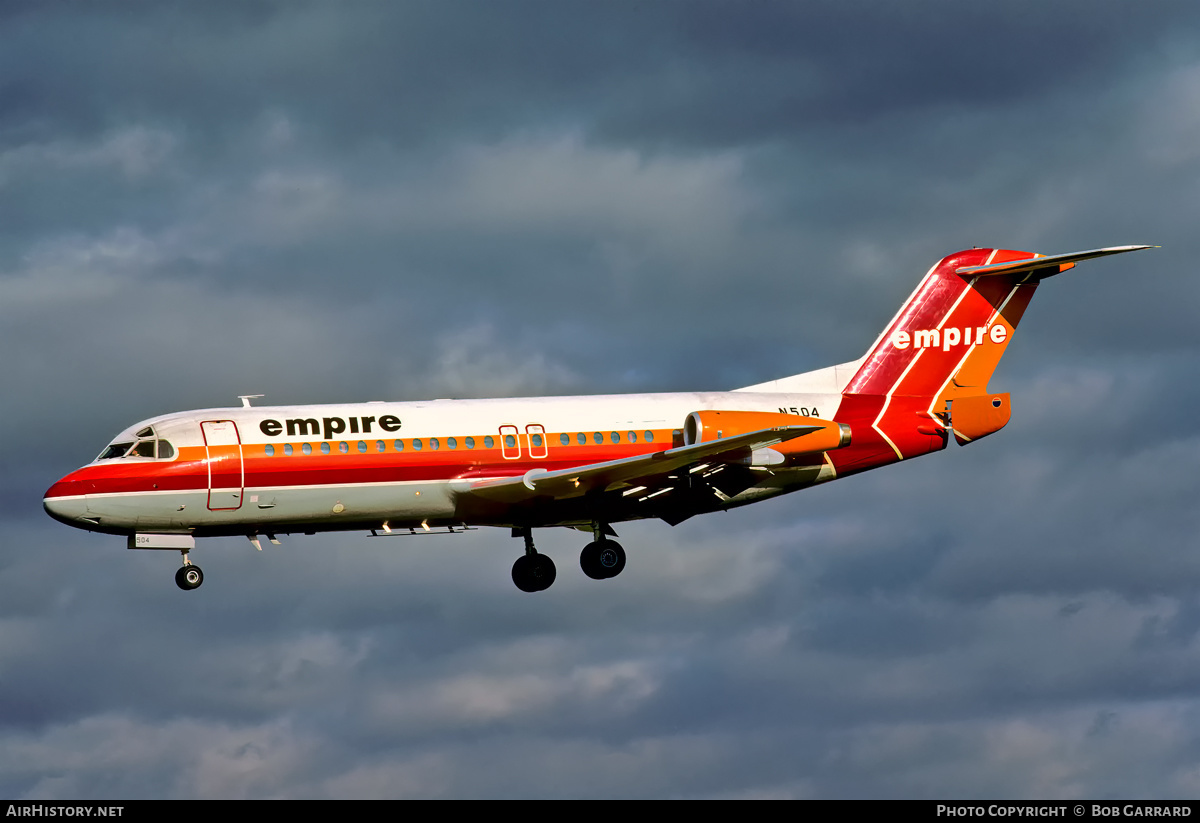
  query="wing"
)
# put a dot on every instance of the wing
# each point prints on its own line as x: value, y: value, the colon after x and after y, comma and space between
x: 627, y: 472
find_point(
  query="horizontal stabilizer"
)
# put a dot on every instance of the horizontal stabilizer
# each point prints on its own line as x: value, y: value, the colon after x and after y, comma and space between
x: 1046, y: 266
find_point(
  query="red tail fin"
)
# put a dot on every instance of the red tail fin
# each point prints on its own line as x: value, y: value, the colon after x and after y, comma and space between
x: 951, y: 324
x: 943, y: 346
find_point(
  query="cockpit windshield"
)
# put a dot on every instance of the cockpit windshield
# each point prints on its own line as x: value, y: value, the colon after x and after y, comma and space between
x: 147, y: 446
x: 115, y: 450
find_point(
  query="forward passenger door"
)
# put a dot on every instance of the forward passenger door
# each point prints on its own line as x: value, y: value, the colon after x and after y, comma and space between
x: 226, y: 466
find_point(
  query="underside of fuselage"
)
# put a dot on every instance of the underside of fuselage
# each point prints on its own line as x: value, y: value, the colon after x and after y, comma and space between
x: 421, y: 505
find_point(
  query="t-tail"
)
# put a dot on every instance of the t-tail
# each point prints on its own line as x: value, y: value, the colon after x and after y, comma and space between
x: 927, y: 374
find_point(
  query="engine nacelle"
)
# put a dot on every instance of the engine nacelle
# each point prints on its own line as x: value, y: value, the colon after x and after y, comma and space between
x: 703, y: 426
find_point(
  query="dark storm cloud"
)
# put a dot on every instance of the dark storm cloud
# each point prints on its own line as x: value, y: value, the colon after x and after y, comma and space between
x: 418, y: 200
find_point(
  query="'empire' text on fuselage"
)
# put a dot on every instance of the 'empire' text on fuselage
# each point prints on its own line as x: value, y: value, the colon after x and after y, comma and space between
x: 305, y: 426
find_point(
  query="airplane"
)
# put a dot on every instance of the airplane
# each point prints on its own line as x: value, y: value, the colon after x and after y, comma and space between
x: 448, y: 466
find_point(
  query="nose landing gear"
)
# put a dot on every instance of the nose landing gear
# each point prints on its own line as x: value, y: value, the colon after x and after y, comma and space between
x: 189, y: 575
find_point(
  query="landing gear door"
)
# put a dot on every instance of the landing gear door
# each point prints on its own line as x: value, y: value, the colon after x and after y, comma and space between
x: 226, y: 470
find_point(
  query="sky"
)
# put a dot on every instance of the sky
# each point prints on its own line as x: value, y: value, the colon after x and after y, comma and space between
x: 327, y: 202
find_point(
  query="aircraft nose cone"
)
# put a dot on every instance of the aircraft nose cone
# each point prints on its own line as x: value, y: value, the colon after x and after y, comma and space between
x: 64, y: 501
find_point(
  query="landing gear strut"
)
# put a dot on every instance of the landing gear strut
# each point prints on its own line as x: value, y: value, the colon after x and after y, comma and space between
x: 189, y: 575
x: 532, y: 572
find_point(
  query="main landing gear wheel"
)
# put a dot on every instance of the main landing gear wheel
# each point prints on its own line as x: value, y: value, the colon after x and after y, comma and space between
x: 533, y: 572
x: 189, y: 577
x: 602, y: 559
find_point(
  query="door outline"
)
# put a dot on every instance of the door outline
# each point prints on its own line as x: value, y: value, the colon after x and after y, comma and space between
x: 212, y: 429
x: 510, y: 452
x: 537, y: 452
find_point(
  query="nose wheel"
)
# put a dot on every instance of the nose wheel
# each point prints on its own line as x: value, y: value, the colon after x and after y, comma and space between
x: 189, y: 575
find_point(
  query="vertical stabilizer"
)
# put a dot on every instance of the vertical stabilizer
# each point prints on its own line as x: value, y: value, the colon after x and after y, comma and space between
x: 930, y: 367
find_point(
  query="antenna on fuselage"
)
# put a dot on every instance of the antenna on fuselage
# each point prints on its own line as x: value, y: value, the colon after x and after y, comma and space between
x: 246, y: 398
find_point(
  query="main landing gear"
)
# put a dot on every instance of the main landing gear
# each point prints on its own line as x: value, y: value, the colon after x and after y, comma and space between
x: 534, y: 572
x: 602, y: 559
x: 189, y: 575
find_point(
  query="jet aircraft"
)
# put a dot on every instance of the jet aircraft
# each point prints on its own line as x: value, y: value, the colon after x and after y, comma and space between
x: 583, y: 462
